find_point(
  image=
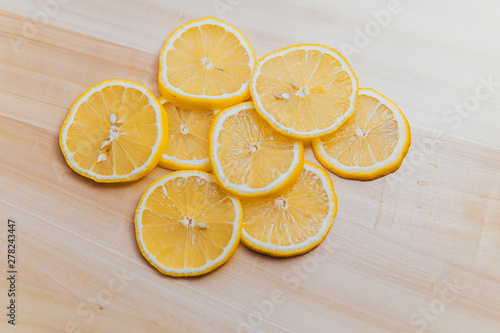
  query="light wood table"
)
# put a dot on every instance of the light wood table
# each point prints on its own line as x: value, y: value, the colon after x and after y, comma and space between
x: 416, y: 251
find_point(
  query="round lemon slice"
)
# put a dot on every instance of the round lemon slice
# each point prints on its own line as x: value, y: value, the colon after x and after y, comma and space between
x: 187, y: 147
x: 116, y: 131
x: 372, y: 144
x: 205, y: 64
x: 186, y: 225
x: 248, y: 157
x: 304, y: 91
x: 294, y: 221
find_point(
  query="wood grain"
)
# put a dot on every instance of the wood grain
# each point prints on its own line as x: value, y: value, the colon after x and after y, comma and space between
x: 397, y: 246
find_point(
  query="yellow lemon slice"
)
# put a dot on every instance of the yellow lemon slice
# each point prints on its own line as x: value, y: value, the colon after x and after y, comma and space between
x: 116, y: 131
x: 186, y: 225
x: 304, y: 91
x: 205, y: 64
x: 372, y: 144
x: 294, y: 221
x: 187, y: 147
x: 248, y: 157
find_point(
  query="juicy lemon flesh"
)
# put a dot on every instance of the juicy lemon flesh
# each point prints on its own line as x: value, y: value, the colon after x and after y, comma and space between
x: 367, y: 138
x: 209, y: 60
x: 290, y: 218
x: 170, y: 218
x: 131, y: 136
x: 188, y: 132
x: 313, y: 89
x: 251, y: 152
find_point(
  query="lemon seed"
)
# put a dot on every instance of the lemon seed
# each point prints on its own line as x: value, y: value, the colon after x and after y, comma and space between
x: 102, y: 157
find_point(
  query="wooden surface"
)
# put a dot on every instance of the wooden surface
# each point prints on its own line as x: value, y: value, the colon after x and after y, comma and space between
x: 417, y: 251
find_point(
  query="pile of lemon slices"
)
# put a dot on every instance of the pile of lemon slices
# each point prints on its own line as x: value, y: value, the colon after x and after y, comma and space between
x: 245, y: 121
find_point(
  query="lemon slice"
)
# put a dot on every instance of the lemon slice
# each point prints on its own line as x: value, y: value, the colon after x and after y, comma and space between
x: 186, y: 225
x: 372, y: 144
x: 294, y: 221
x: 304, y: 91
x: 187, y: 147
x: 248, y: 157
x: 116, y: 131
x: 205, y: 64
